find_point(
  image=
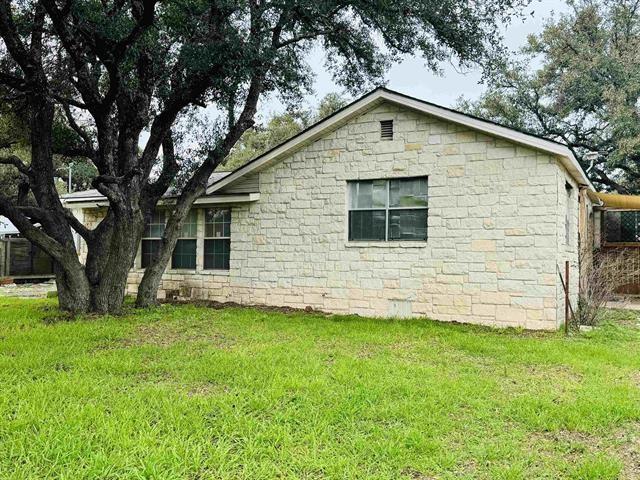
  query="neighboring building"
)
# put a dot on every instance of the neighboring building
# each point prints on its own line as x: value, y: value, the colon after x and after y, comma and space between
x: 21, y: 260
x: 7, y: 229
x: 391, y: 207
x: 616, y: 227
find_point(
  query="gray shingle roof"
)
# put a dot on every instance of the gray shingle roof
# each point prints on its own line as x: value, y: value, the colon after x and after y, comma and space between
x: 94, y: 194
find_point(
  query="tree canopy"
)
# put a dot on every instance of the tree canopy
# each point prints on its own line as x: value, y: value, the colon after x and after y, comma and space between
x: 585, y: 92
x: 128, y: 81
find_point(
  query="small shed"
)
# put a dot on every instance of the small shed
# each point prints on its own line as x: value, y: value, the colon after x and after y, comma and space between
x: 19, y: 258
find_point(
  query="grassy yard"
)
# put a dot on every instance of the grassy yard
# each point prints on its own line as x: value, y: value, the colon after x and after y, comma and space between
x: 191, y: 392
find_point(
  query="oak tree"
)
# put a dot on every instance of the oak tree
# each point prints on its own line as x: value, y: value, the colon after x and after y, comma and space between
x: 585, y: 92
x: 126, y: 76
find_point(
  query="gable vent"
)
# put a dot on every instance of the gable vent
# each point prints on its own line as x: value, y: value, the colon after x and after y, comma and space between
x: 386, y: 130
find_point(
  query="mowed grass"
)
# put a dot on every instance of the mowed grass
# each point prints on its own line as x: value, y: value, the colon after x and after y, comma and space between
x: 192, y: 392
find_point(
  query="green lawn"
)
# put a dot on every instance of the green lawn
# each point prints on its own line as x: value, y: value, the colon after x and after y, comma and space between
x: 191, y: 392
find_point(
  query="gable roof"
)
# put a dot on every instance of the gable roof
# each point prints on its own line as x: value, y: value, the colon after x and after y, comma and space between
x: 380, y: 95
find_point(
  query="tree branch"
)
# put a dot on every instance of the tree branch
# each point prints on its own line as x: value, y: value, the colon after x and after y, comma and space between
x: 30, y: 231
x: 78, y: 226
x: 78, y: 129
x: 14, y: 161
x: 169, y: 170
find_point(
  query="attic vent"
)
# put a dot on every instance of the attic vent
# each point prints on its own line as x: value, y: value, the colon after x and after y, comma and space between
x: 386, y: 130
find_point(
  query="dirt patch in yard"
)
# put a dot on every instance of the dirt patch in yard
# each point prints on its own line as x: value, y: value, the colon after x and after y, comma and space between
x: 166, y: 335
x: 206, y: 389
x: 416, y: 475
x: 161, y: 336
x: 264, y: 308
x: 623, y: 444
x: 629, y: 451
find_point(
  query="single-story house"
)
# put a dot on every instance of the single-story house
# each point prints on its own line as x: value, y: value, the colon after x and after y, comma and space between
x: 391, y: 207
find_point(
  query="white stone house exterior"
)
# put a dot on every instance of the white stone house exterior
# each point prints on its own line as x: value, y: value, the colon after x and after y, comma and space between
x: 391, y: 207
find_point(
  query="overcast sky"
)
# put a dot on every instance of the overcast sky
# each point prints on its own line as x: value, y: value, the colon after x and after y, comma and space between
x: 412, y: 78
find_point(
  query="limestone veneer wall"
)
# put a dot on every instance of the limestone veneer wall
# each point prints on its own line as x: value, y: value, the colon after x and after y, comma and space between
x: 496, y: 230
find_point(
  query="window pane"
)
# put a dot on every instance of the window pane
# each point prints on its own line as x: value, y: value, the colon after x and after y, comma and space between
x: 184, y: 255
x: 154, y: 228
x: 217, y: 223
x: 150, y: 250
x: 216, y: 254
x: 629, y: 226
x: 190, y: 225
x: 369, y: 194
x: 622, y: 226
x: 367, y: 225
x: 408, y: 224
x: 612, y: 226
x: 408, y: 192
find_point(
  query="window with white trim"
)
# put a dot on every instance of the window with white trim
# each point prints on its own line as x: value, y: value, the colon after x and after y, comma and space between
x: 185, y: 252
x: 388, y: 210
x: 152, y: 238
x: 217, y: 239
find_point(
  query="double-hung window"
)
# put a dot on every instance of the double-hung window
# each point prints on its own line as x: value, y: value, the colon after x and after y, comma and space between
x: 151, y: 238
x: 217, y: 239
x: 388, y: 210
x: 184, y: 254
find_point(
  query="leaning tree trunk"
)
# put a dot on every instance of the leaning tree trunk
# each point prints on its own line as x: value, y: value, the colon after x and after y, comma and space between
x: 71, y: 280
x: 148, y: 288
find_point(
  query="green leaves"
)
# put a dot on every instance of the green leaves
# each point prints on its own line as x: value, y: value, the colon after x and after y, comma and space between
x: 585, y: 92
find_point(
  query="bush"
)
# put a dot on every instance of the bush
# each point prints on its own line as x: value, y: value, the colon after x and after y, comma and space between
x: 602, y: 273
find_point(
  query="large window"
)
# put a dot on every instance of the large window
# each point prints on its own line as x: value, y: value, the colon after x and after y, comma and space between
x: 388, y: 210
x: 622, y: 226
x: 151, y: 238
x: 184, y: 254
x: 217, y: 239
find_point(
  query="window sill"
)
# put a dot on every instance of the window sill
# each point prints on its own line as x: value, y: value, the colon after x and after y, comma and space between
x: 178, y: 271
x: 214, y: 272
x: 621, y: 244
x: 398, y: 244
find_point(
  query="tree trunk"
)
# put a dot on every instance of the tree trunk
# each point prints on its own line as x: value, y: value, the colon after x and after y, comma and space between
x: 148, y: 288
x: 110, y: 258
x: 100, y: 285
x: 73, y: 289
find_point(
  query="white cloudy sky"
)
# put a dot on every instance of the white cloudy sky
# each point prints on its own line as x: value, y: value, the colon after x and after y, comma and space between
x: 412, y: 78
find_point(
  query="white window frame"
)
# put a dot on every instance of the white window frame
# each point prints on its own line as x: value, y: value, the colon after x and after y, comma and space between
x: 205, y: 238
x: 387, y: 209
x: 193, y: 212
x: 143, y: 239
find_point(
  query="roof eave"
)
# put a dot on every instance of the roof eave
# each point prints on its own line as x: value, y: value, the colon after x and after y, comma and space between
x: 204, y: 200
x: 368, y: 101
